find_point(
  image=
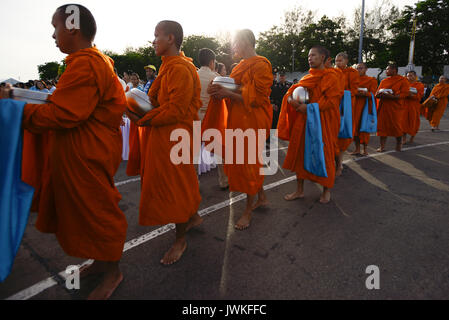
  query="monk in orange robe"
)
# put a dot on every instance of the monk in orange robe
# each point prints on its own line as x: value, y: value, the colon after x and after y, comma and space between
x: 170, y: 191
x: 248, y: 109
x: 370, y: 84
x: 412, y: 108
x: 78, y: 199
x: 390, y: 107
x: 351, y: 81
x: 324, y: 89
x: 341, y: 87
x: 440, y: 92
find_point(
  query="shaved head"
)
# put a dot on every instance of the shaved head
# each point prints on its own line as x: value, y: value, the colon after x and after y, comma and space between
x: 172, y: 28
x: 344, y: 55
x: 87, y: 23
x: 322, y: 51
x: 246, y: 36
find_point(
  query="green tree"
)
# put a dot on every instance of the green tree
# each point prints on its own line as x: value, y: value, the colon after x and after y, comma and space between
x: 278, y: 43
x: 432, y: 35
x: 135, y: 59
x: 192, y: 45
x: 48, y: 71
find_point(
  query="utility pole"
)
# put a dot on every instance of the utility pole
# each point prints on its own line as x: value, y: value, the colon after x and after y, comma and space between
x: 362, y: 25
x: 411, y: 52
x: 293, y: 57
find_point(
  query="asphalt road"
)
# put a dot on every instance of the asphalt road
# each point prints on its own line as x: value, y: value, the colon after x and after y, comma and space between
x: 388, y: 210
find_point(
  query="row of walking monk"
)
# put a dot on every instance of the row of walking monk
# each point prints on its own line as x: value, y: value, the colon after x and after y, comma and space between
x: 78, y: 134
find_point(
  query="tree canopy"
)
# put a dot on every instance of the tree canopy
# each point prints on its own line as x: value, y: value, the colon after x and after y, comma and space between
x: 387, y: 32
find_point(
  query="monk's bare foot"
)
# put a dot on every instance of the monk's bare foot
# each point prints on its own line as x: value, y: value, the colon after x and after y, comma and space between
x: 399, y: 147
x: 365, y: 153
x: 355, y: 153
x: 412, y: 139
x: 194, y: 221
x: 380, y: 149
x: 94, y: 268
x: 325, y: 197
x: 106, y: 288
x: 244, y: 221
x: 261, y: 202
x: 294, y: 196
x: 339, y: 171
x: 175, y: 253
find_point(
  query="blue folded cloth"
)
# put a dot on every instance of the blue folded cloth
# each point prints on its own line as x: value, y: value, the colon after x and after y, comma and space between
x: 346, y: 116
x: 15, y: 195
x: 368, y: 122
x: 314, y: 147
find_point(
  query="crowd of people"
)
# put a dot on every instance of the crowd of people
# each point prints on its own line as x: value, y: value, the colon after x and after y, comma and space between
x: 48, y: 86
x: 80, y: 140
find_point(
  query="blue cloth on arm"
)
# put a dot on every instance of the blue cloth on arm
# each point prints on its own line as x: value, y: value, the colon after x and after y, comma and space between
x: 314, y: 147
x: 346, y: 116
x: 369, y: 119
x: 15, y: 195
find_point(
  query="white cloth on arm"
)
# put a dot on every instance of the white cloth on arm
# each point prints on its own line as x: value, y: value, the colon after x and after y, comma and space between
x: 207, y: 160
x: 125, y: 136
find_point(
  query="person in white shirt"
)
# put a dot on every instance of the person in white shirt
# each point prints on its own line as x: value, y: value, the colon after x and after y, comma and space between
x: 206, y: 74
x: 127, y: 79
x: 221, y: 69
x: 122, y: 82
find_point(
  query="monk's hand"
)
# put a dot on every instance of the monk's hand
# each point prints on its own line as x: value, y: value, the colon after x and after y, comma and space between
x: 221, y: 92
x: 132, y: 116
x: 384, y: 95
x: 302, y: 108
x: 275, y: 107
x: 6, y: 92
x: 213, y: 89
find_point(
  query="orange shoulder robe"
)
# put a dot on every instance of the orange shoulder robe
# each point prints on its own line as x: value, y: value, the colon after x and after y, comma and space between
x: 412, y: 110
x: 324, y: 88
x: 78, y: 200
x: 35, y: 155
x: 170, y: 192
x: 351, y: 81
x: 389, y: 111
x: 371, y: 84
x: 441, y: 92
x: 255, y: 77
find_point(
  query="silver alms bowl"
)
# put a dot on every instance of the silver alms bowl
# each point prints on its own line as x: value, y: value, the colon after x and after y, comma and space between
x: 301, y: 95
x: 227, y: 83
x: 29, y: 96
x: 386, y: 91
x: 138, y: 101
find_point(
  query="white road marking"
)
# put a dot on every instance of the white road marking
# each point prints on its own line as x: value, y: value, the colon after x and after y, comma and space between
x: 50, y: 282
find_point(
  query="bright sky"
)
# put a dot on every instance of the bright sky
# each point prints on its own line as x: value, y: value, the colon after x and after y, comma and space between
x: 26, y: 30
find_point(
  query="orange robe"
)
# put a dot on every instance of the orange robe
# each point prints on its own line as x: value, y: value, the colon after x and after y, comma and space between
x: 78, y: 200
x: 371, y: 84
x: 35, y: 154
x: 350, y: 81
x: 390, y: 112
x: 324, y: 89
x: 255, y: 77
x: 441, y: 92
x: 133, y: 166
x: 170, y: 192
x: 336, y: 113
x: 412, y: 111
